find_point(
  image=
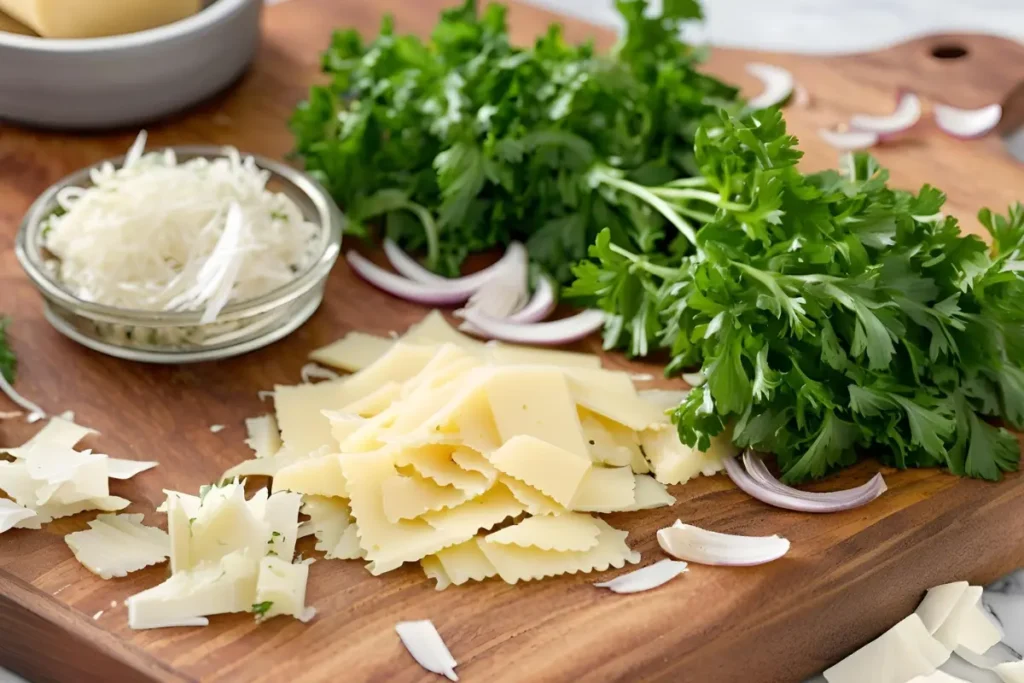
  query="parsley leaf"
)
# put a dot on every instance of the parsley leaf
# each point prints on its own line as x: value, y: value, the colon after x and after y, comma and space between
x: 8, y: 363
x: 261, y: 608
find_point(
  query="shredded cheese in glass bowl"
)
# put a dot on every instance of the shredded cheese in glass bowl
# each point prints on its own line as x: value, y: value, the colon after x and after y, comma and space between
x: 180, y: 254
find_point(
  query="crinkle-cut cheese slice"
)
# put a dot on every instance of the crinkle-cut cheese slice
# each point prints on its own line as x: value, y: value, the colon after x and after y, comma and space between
x: 509, y: 354
x: 410, y: 497
x: 282, y: 518
x: 648, y: 493
x: 551, y: 470
x: 353, y: 352
x: 612, y: 395
x: 474, y: 461
x: 530, y: 401
x: 448, y: 363
x: 304, y: 429
x: 514, y: 563
x: 535, y: 502
x: 57, y: 433
x: 16, y: 482
x: 562, y: 532
x: 224, y: 524
x: 480, y: 513
x: 66, y: 475
x: 433, y: 569
x: 463, y: 419
x: 51, y: 511
x: 264, y: 436
x: 639, y: 462
x: 435, y: 330
x: 335, y: 530
x: 343, y: 425
x: 262, y: 467
x: 605, y: 489
x: 283, y: 585
x: 11, y: 513
x: 118, y: 544
x: 898, y: 655
x: 227, y: 585
x: 436, y: 462
x: 401, y: 363
x: 374, y: 403
x: 465, y: 562
x: 673, y: 462
x: 604, y: 447
x: 118, y: 468
x: 320, y: 476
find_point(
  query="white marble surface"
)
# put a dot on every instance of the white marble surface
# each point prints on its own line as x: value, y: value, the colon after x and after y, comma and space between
x: 836, y: 26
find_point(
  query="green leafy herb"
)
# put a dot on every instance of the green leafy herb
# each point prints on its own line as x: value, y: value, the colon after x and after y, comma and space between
x: 8, y: 363
x: 832, y: 315
x: 260, y: 609
x: 465, y: 142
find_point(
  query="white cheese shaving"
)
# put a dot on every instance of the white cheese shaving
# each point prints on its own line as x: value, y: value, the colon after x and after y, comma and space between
x: 264, y: 437
x: 118, y: 544
x: 1010, y: 672
x: 126, y: 469
x: 216, y: 428
x: 953, y: 613
x: 311, y: 371
x: 11, y: 513
x: 901, y: 653
x: 425, y: 645
x: 645, y: 578
x: 159, y: 235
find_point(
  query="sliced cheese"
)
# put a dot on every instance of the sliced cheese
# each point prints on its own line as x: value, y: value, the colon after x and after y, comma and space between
x: 535, y: 502
x: 648, y: 493
x: 225, y: 523
x: 901, y: 653
x: 264, y: 437
x: 553, y: 471
x: 281, y: 589
x: 126, y: 469
x: 281, y: 515
x: 562, y: 532
x: 11, y: 513
x: 604, y: 446
x: 507, y: 354
x: 437, y: 463
x: 51, y: 511
x: 374, y: 403
x: 434, y: 329
x: 353, y: 352
x: 433, y: 570
x: 304, y: 429
x: 262, y: 467
x: 465, y: 562
x: 535, y: 402
x: 413, y: 496
x: 115, y: 545
x: 613, y: 396
x: 673, y: 462
x: 605, y: 489
x: 66, y: 475
x: 335, y: 530
x: 321, y: 476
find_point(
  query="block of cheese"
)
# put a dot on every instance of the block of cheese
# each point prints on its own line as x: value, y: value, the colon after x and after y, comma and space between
x: 63, y: 19
x: 9, y: 25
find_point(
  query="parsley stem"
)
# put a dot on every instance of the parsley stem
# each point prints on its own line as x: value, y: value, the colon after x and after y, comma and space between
x: 645, y: 265
x: 700, y: 195
x: 656, y: 202
x: 688, y: 182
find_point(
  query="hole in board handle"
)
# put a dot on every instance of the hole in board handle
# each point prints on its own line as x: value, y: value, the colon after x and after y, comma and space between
x: 949, y: 51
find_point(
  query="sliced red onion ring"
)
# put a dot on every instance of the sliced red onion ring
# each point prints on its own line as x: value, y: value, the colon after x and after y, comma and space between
x: 967, y: 123
x: 754, y: 479
x: 849, y: 140
x: 408, y: 266
x: 404, y: 288
x: 550, y: 333
x: 778, y: 85
x: 540, y: 305
x: 903, y: 118
x: 694, y: 544
x: 505, y: 291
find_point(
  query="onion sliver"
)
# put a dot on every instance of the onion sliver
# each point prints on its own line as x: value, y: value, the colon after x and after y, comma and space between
x: 849, y: 140
x: 778, y: 85
x: 645, y: 578
x: 404, y: 288
x: 21, y: 401
x: 758, y: 471
x: 782, y: 496
x: 906, y: 114
x: 408, y: 266
x: 967, y: 123
x: 540, y: 305
x: 694, y: 544
x: 550, y: 333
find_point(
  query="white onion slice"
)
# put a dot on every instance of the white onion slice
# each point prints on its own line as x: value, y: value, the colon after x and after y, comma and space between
x: 540, y: 305
x: 549, y: 333
x: 311, y: 371
x: 408, y: 266
x: 754, y: 478
x: 849, y: 140
x: 904, y: 117
x: 694, y: 544
x: 645, y: 578
x: 778, y: 85
x: 404, y: 288
x: 34, y: 411
x: 424, y: 643
x: 967, y: 123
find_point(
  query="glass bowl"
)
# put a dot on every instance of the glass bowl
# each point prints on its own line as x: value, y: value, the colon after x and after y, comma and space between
x: 179, y: 337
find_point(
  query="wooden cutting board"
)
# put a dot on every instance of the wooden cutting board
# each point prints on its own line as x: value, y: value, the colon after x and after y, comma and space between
x: 849, y: 576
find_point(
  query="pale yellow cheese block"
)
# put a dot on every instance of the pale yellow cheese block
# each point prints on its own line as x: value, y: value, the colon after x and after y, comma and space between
x: 96, y: 18
x: 9, y: 25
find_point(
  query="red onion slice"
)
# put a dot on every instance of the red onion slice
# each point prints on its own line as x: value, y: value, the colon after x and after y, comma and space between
x: 404, y: 288
x: 967, y: 123
x: 849, y: 140
x: 540, y: 305
x: 778, y: 85
x: 693, y: 544
x: 551, y: 333
x: 759, y: 483
x: 408, y: 266
x: 903, y: 118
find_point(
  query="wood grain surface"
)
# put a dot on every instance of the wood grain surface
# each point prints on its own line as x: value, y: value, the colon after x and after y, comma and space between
x: 849, y: 576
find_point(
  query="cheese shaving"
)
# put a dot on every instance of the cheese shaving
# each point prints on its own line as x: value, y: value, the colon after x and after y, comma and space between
x: 118, y: 544
x: 311, y: 371
x: 645, y: 578
x: 11, y: 513
x: 159, y: 235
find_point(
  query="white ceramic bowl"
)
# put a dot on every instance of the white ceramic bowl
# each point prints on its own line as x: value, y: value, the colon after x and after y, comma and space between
x: 129, y: 79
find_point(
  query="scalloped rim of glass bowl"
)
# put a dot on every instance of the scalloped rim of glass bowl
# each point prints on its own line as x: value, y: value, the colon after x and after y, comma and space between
x: 29, y: 254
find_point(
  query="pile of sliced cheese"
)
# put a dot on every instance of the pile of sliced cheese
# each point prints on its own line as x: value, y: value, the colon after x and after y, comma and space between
x: 476, y: 460
x: 48, y: 479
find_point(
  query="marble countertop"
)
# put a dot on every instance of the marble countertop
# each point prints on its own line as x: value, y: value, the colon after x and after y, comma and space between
x: 830, y: 27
